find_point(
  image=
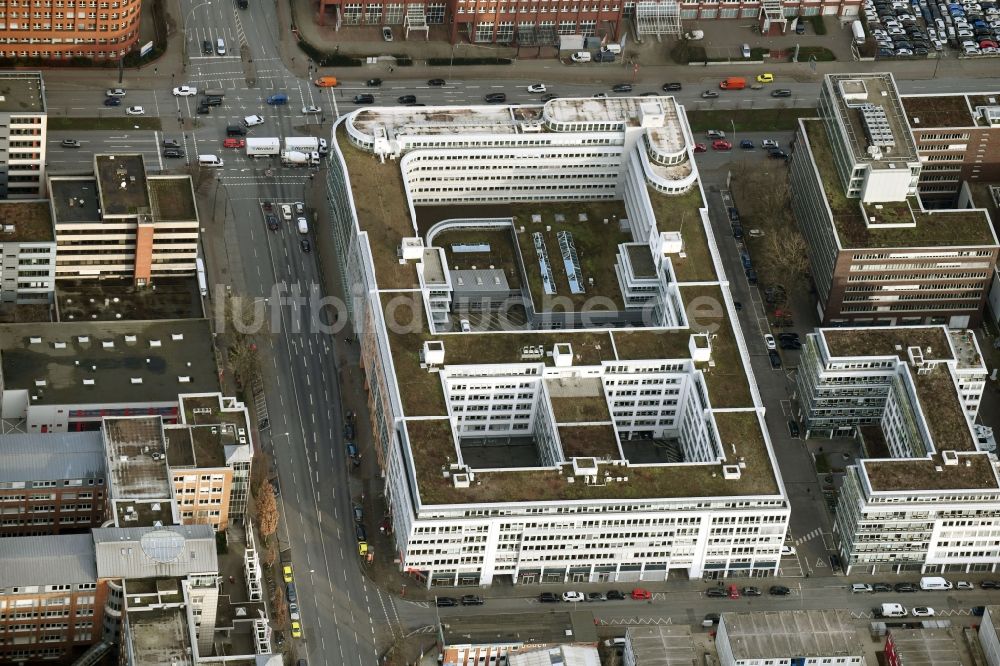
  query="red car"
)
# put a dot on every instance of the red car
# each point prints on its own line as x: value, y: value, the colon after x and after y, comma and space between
x: 234, y: 143
x: 721, y: 144
x: 734, y: 592
x: 700, y: 148
x: 640, y: 594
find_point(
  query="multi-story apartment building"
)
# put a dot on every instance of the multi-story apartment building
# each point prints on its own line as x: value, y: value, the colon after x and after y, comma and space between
x: 23, y: 123
x: 122, y: 223
x: 67, y: 376
x: 958, y: 140
x: 79, y: 29
x: 209, y: 454
x: 51, y: 484
x: 541, y: 23
x: 877, y: 255
x: 27, y: 253
x: 601, y: 422
x: 52, y: 601
x: 923, y: 496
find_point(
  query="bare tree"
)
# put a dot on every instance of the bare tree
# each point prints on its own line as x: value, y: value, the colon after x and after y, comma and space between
x: 785, y: 253
x: 267, y: 511
x: 270, y: 554
x: 279, y: 607
x: 244, y: 359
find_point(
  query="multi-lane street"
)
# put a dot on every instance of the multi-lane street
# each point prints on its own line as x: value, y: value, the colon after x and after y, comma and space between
x: 347, y: 619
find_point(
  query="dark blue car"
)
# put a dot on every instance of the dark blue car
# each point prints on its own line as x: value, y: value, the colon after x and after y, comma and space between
x: 112, y: 101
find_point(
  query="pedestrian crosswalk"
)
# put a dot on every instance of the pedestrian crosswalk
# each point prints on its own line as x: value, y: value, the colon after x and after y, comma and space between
x: 808, y: 537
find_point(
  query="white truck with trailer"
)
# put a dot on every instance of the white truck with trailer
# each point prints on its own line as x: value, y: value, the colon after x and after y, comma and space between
x: 263, y: 147
x: 302, y: 144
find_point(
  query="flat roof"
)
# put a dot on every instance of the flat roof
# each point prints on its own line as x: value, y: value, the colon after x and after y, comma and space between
x: 172, y: 199
x: 974, y: 471
x: 121, y: 180
x: 47, y: 560
x: 52, y: 456
x: 160, y: 637
x: 26, y: 221
x: 935, y: 228
x: 791, y: 634
x: 928, y: 647
x: 74, y: 199
x: 937, y: 111
x: 581, y: 411
x: 549, y: 628
x: 97, y: 362
x: 854, y: 92
x: 554, y: 655
x: 865, y: 341
x: 137, y: 457
x: 22, y: 92
x: 211, y: 431
x: 660, y: 645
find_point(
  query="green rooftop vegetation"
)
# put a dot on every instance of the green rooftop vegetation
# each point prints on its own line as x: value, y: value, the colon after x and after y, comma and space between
x: 943, y: 411
x: 973, y: 472
x: 596, y: 245
x: 433, y: 448
x: 596, y: 441
x: 173, y: 198
x: 927, y: 111
x: 888, y: 341
x: 681, y: 213
x: 936, y: 228
x: 32, y: 221
x: 727, y: 380
x: 501, y: 254
x: 580, y: 408
x: 380, y: 201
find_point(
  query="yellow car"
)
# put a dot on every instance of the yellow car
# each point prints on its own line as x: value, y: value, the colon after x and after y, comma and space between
x: 766, y: 77
x: 287, y: 572
x: 296, y: 630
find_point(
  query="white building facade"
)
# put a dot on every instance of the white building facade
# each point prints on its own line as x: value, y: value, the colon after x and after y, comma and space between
x: 588, y: 509
x: 23, y: 130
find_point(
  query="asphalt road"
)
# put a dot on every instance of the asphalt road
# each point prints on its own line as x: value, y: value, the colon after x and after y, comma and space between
x: 345, y: 619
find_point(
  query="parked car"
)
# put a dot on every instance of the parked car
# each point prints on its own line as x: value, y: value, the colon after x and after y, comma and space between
x: 387, y: 33
x: 443, y: 602
x: 746, y: 144
x: 778, y: 591
x: 572, y: 596
x: 922, y: 611
x: 596, y: 596
x: 472, y: 600
x: 775, y: 359
x: 881, y: 587
x: 614, y: 595
x: 905, y: 587
x: 173, y: 152
x: 964, y: 585
x: 700, y: 148
x: 206, y: 47
x: 769, y: 341
x: 989, y: 585
x: 716, y: 592
x: 286, y: 573
x: 751, y: 591
x: 639, y: 594
x: 787, y: 551
x: 373, y: 83
x: 721, y: 144
x: 549, y: 598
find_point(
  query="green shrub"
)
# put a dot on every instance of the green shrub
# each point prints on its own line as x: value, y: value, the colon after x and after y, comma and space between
x: 326, y: 59
x: 685, y: 52
x: 821, y: 53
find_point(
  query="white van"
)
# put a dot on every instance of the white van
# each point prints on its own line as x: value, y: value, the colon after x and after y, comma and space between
x: 612, y: 48
x: 210, y: 161
x: 220, y: 46
x: 934, y: 583
x: 580, y: 56
x: 891, y: 610
x: 860, y: 587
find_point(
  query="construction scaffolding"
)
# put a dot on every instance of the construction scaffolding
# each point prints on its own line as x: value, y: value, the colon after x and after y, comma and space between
x: 774, y: 17
x: 416, y: 19
x: 658, y: 17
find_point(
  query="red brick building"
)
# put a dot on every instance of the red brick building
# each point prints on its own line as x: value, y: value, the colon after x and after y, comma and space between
x: 98, y: 29
x: 530, y: 22
x: 51, y: 483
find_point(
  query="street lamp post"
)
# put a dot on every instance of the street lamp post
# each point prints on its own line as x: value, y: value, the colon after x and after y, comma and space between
x: 733, y: 123
x: 184, y: 52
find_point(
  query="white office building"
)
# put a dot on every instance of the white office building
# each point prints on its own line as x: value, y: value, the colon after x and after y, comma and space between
x: 554, y: 367
x: 27, y: 253
x: 924, y: 497
x: 23, y: 126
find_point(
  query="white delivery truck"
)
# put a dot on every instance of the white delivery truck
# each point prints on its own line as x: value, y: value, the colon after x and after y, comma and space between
x: 202, y: 279
x: 262, y: 147
x: 302, y: 144
x: 934, y: 583
x: 859, y: 32
x: 581, y: 56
